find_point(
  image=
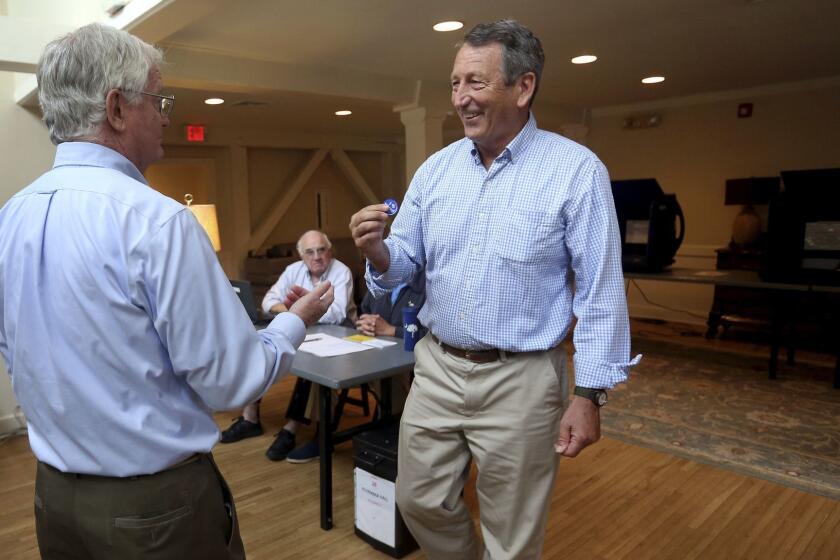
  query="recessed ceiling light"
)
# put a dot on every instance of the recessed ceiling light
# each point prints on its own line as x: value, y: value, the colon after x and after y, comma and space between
x: 653, y: 80
x: 343, y: 113
x: 448, y: 26
x: 214, y: 101
x: 584, y: 59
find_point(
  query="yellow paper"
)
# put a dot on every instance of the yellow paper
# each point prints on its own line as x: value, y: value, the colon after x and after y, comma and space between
x: 358, y: 338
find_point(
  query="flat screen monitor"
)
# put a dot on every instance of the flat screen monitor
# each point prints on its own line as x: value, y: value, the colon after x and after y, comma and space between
x: 646, y: 221
x: 804, y: 228
x: 633, y: 198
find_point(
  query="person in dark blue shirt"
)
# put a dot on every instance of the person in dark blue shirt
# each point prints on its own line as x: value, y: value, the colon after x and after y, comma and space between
x: 383, y: 316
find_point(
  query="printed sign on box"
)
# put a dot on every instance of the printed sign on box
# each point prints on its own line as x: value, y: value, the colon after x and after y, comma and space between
x: 375, y: 507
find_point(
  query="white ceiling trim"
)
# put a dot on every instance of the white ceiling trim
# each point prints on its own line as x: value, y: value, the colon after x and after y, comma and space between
x: 155, y: 20
x: 151, y: 20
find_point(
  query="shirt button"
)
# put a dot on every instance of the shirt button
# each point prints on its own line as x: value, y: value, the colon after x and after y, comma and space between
x: 482, y: 216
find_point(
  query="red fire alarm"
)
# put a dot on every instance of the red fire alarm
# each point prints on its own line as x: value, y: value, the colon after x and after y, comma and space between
x: 745, y: 110
x: 195, y: 133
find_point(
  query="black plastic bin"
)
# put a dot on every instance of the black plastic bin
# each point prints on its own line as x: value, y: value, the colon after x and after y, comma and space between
x: 375, y: 452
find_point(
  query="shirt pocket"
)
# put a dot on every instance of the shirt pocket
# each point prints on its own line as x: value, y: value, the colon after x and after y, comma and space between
x: 528, y: 237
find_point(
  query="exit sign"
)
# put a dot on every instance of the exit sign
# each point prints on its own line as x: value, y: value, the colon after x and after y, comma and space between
x: 195, y: 132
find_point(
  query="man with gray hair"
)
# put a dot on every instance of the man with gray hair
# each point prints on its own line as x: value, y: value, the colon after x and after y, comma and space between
x: 503, y: 223
x: 316, y: 265
x: 116, y: 371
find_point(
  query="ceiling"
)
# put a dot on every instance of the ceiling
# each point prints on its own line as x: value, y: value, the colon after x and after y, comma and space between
x: 302, y: 60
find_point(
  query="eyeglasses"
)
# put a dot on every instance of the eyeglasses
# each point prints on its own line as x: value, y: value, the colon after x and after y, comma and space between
x: 315, y: 251
x: 167, y: 102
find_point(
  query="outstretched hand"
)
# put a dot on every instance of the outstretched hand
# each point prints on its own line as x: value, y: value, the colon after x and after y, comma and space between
x: 580, y: 426
x: 367, y: 226
x: 310, y: 305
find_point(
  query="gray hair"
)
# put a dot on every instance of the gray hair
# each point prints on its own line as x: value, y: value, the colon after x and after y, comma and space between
x: 77, y: 71
x: 324, y: 235
x: 522, y: 51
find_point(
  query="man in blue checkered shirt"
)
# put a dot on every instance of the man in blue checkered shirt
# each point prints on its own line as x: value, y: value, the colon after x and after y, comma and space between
x: 516, y: 232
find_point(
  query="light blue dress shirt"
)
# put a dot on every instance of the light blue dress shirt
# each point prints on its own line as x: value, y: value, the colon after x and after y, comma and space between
x: 511, y: 253
x: 118, y: 326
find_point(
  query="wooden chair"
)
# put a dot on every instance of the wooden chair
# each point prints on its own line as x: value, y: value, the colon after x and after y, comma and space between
x: 344, y: 398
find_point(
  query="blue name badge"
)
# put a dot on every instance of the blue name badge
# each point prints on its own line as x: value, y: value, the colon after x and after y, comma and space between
x: 392, y: 206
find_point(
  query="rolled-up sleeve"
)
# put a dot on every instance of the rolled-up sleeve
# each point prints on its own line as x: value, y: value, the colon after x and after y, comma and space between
x: 602, y: 333
x: 277, y: 293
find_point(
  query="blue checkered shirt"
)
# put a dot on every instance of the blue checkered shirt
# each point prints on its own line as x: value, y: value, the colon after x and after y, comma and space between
x: 513, y: 252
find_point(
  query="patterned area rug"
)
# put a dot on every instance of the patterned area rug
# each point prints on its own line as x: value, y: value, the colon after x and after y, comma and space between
x: 720, y: 408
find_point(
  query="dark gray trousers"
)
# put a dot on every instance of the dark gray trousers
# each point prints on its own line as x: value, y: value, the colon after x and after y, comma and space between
x: 181, y: 513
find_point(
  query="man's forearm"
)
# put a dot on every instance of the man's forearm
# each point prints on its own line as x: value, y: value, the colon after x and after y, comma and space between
x: 379, y: 257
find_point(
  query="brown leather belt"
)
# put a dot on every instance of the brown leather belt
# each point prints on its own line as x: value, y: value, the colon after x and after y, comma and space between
x: 477, y: 356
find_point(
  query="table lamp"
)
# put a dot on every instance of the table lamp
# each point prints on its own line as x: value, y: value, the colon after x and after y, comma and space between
x: 206, y: 216
x: 746, y: 229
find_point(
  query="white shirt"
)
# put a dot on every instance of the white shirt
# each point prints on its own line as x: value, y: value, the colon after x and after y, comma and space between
x: 343, y: 307
x: 119, y: 328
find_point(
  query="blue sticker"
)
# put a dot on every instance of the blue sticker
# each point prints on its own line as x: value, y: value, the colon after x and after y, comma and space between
x: 392, y: 206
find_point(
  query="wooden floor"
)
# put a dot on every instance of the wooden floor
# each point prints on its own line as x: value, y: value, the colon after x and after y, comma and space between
x: 615, y: 501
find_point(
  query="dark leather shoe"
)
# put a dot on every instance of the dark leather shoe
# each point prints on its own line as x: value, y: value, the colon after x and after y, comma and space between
x: 241, y: 429
x: 307, y: 452
x: 283, y: 443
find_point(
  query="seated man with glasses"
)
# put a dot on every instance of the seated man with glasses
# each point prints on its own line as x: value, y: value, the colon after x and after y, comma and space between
x: 316, y: 266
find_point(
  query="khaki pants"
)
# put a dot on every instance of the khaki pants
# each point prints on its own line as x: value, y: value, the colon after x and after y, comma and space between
x: 505, y: 416
x: 182, y: 513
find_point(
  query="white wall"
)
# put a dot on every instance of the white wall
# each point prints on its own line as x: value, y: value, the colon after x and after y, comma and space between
x: 700, y: 145
x: 25, y: 153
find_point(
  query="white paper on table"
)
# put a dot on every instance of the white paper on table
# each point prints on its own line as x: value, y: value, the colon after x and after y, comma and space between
x: 375, y: 507
x: 378, y: 343
x: 324, y: 345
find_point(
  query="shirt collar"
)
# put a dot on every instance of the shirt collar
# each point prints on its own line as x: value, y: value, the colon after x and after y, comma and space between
x: 88, y: 154
x: 516, y: 146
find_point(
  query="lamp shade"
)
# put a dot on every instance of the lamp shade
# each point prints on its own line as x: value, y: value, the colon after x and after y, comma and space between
x: 752, y: 190
x: 206, y: 216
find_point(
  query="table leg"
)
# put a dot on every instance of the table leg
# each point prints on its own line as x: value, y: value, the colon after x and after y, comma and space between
x: 713, y: 323
x: 779, y: 316
x: 325, y: 443
x: 834, y: 335
x: 385, y: 405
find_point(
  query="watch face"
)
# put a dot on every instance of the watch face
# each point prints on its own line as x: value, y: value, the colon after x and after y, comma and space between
x: 601, y: 398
